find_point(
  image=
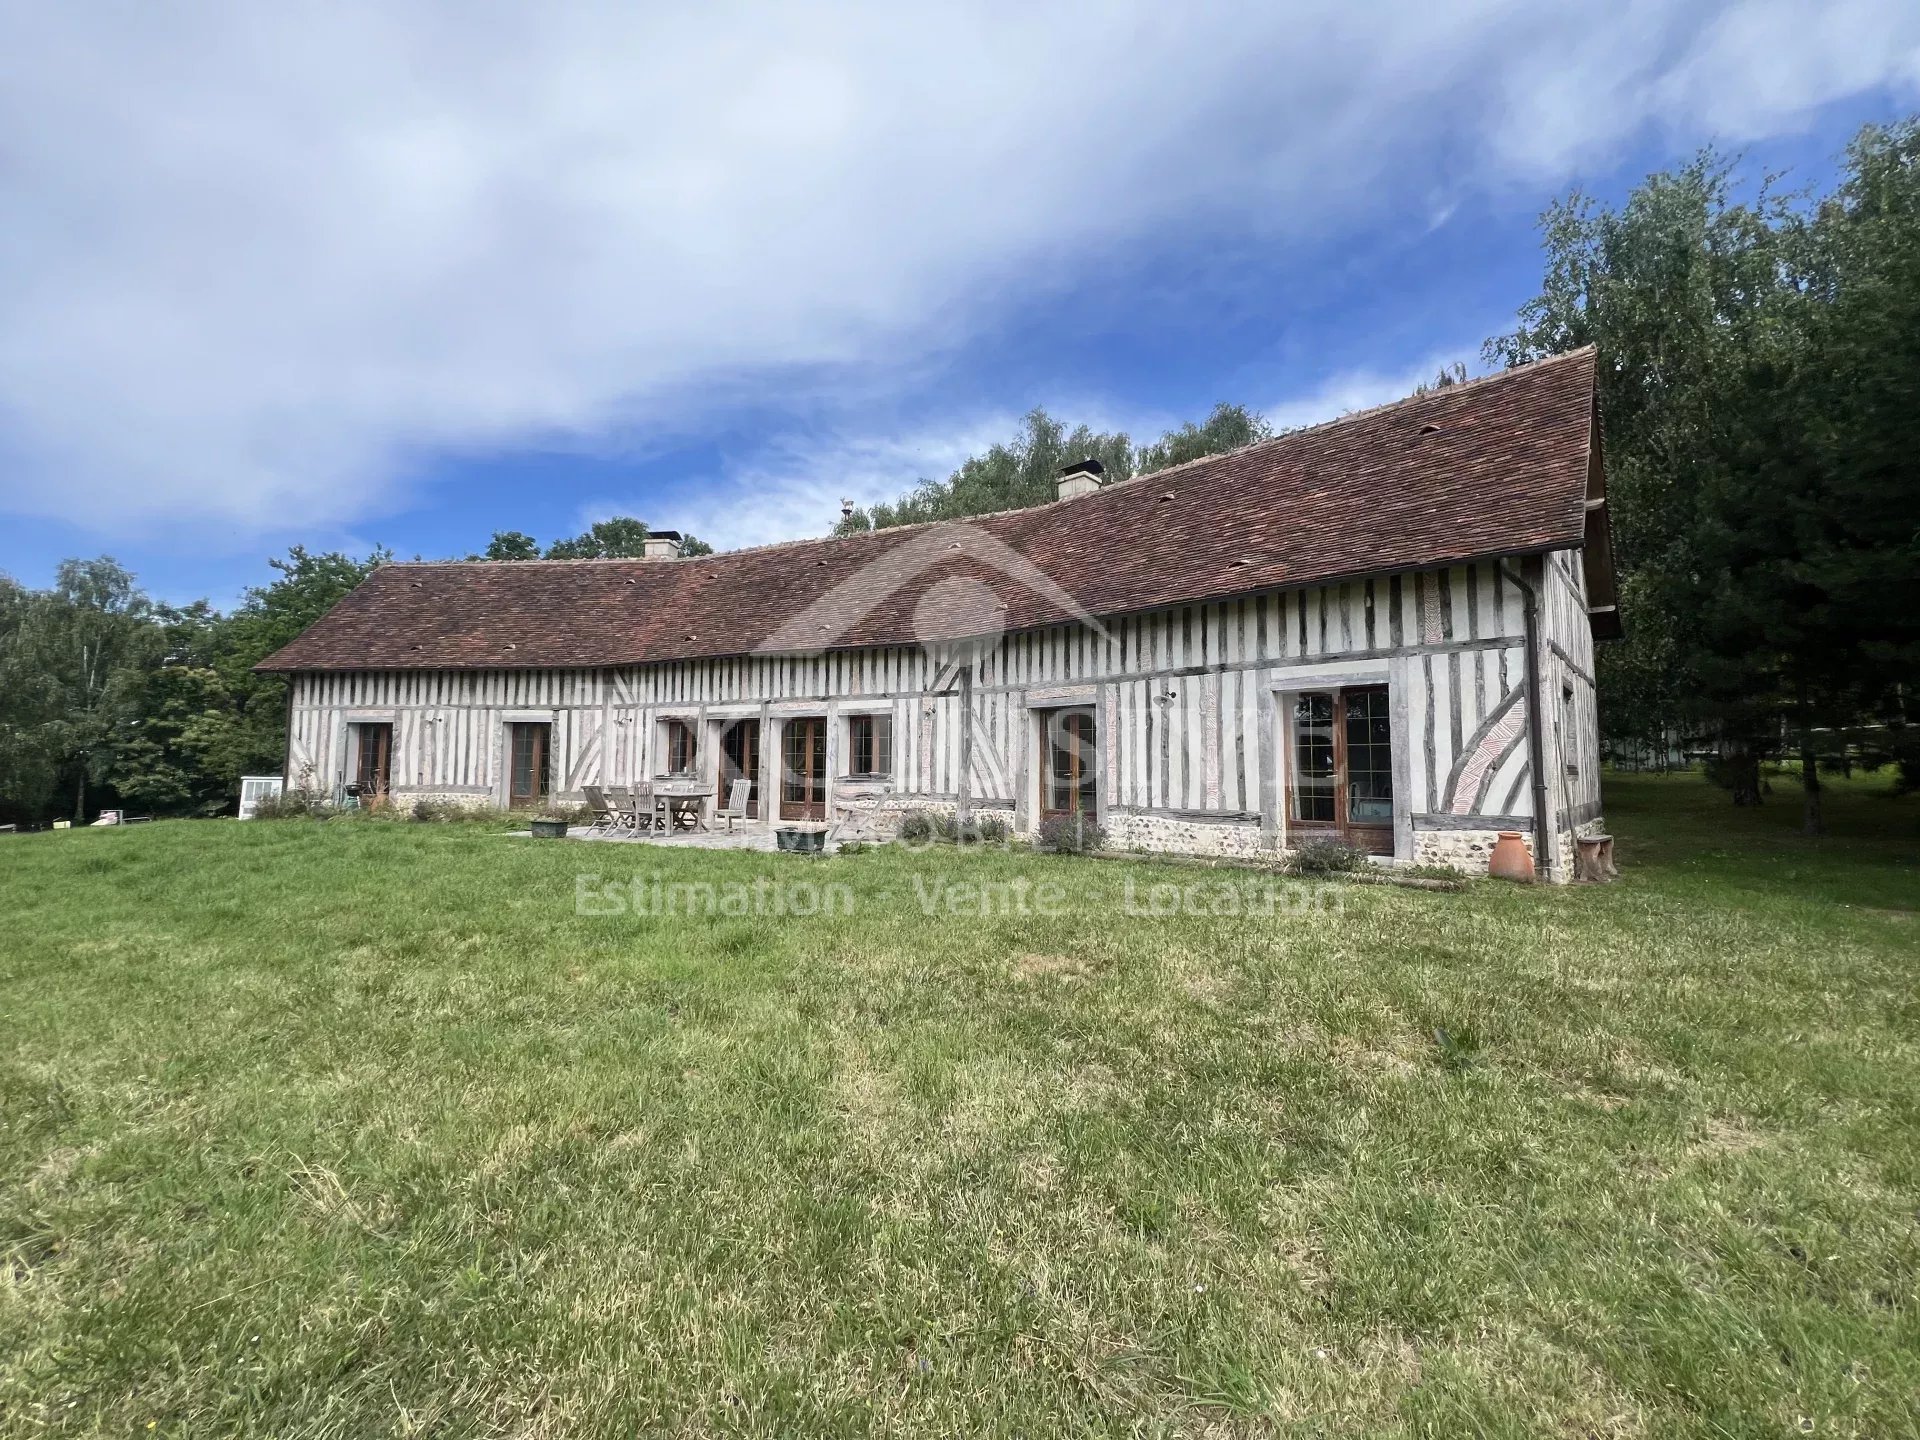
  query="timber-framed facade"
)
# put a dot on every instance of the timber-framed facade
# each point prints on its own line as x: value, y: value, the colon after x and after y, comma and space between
x: 1000, y: 667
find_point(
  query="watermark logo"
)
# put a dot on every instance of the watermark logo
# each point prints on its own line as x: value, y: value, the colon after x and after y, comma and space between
x: 1258, y: 896
x: 655, y: 896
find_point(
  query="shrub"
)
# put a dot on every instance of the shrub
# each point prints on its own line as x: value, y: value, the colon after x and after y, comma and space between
x: 1074, y: 834
x: 917, y: 826
x: 1326, y: 856
x: 293, y: 805
x: 991, y: 830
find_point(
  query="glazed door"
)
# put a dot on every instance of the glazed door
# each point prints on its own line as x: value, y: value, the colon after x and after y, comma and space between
x: 527, y: 765
x: 740, y: 760
x: 1068, y: 786
x: 803, y: 763
x: 374, y: 773
x: 1342, y: 780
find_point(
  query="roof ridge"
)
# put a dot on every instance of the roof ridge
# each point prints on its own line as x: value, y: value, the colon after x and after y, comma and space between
x: 1350, y: 416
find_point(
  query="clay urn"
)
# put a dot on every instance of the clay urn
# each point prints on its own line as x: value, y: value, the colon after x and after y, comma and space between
x: 1510, y: 860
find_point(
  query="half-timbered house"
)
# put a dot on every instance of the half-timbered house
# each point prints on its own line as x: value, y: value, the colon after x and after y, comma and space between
x: 1380, y: 628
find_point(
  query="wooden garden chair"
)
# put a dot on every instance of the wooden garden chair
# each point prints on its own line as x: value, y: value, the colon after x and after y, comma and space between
x: 736, y: 806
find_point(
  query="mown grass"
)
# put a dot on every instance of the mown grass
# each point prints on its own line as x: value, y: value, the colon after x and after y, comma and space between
x: 357, y: 1129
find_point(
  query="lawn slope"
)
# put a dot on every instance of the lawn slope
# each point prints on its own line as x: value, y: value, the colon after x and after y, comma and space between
x: 356, y: 1129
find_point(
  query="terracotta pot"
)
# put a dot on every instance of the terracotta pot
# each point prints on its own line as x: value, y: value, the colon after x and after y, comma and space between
x: 1510, y: 860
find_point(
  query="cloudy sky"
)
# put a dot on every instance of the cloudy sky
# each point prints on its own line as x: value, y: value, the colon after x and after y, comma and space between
x: 411, y: 273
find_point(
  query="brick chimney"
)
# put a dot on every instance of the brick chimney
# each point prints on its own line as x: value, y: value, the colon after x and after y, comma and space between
x: 1080, y: 478
x: 662, y: 545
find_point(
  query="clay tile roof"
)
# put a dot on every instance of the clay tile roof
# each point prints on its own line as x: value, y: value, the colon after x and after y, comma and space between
x: 1493, y: 467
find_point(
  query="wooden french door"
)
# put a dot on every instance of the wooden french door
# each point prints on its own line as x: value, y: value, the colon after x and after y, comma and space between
x: 527, y: 763
x: 373, y: 774
x: 1068, y: 786
x: 1342, y: 773
x: 740, y: 760
x: 803, y: 764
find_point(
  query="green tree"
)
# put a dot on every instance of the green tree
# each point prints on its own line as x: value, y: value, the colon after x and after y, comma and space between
x: 511, y: 545
x: 29, y: 758
x: 179, y: 742
x: 692, y: 545
x: 1758, y: 387
x: 620, y: 538
x: 1229, y: 427
x: 269, y: 617
x: 79, y: 639
x: 1022, y: 471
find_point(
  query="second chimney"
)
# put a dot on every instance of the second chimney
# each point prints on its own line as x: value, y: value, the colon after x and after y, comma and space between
x: 1080, y: 478
x: 661, y: 545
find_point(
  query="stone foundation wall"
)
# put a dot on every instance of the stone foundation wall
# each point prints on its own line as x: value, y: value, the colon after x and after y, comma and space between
x: 404, y: 796
x: 1168, y: 835
x: 1468, y: 851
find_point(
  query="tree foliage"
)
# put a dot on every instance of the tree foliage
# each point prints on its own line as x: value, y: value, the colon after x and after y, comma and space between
x: 1022, y: 471
x: 107, y: 699
x: 618, y: 538
x: 1760, y: 382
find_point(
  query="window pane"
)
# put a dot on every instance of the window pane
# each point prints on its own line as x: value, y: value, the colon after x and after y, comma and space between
x: 1071, y: 772
x: 1369, y: 757
x: 1313, y: 787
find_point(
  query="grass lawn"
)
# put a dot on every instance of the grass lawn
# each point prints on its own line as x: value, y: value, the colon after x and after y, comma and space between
x: 359, y: 1129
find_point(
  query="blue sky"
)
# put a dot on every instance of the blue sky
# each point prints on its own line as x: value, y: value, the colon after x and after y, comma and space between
x: 412, y: 273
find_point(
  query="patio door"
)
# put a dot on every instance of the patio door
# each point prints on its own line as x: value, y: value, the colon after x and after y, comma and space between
x: 740, y: 760
x: 1068, y: 786
x: 1342, y: 772
x: 803, y: 764
x: 527, y: 764
x: 373, y: 772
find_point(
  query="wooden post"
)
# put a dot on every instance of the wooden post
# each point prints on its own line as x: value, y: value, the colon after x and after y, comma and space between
x: 963, y: 796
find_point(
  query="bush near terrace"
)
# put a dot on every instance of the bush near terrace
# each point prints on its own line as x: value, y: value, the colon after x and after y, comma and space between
x: 356, y: 1128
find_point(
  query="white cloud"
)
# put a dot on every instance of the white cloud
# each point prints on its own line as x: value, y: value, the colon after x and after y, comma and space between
x: 1352, y: 390
x: 257, y: 260
x: 794, y: 485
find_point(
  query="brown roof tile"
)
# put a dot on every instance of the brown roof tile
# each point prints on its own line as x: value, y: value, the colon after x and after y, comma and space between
x: 1496, y: 466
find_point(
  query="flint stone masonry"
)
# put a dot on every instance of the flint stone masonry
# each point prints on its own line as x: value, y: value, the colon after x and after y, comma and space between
x: 1162, y: 834
x: 1466, y: 850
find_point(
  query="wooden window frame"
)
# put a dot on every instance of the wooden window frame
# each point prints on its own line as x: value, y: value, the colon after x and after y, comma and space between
x: 877, y: 741
x: 803, y: 792
x: 680, y: 749
x: 1084, y: 760
x: 746, y: 766
x: 543, y: 769
x: 381, y: 732
x: 1374, y: 836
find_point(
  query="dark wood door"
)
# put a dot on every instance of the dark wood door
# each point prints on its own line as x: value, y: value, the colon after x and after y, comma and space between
x: 740, y: 760
x: 803, y: 764
x: 527, y: 764
x: 374, y: 774
x: 1071, y: 770
x: 1342, y: 780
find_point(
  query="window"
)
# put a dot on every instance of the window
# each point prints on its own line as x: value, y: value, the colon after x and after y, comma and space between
x: 681, y: 751
x: 1342, y: 776
x: 870, y: 745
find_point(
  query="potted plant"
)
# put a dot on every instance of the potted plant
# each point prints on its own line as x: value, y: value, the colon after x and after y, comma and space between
x: 801, y: 840
x: 549, y: 826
